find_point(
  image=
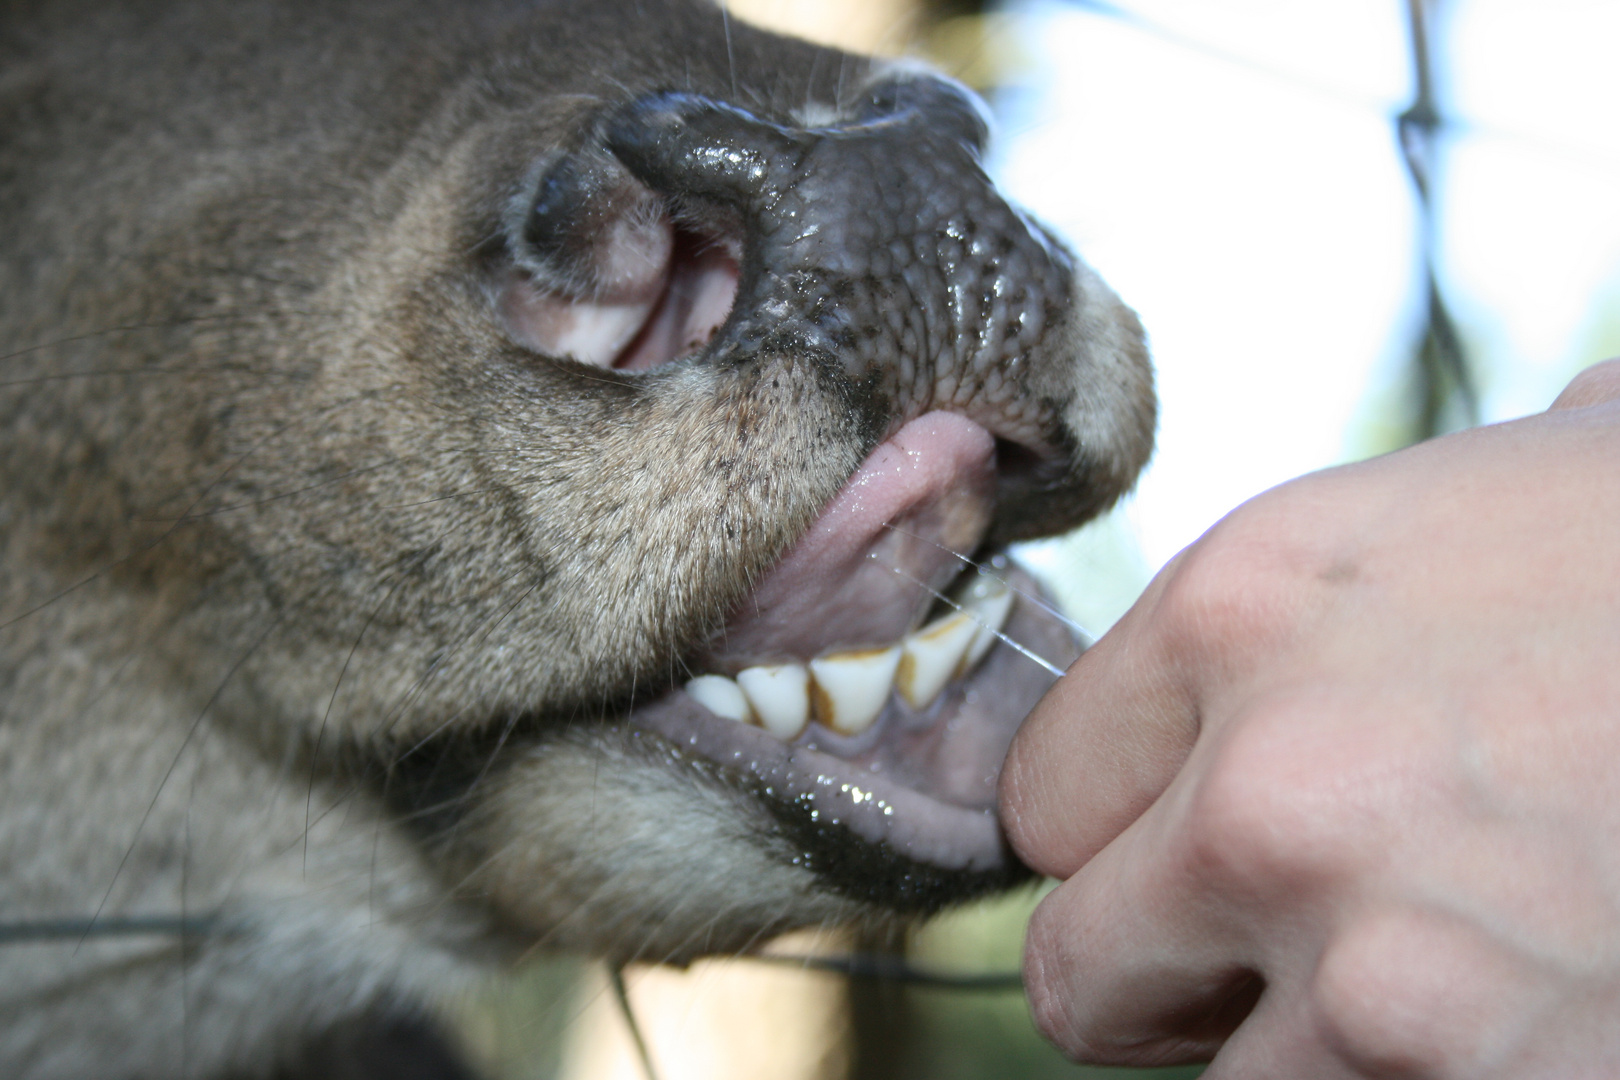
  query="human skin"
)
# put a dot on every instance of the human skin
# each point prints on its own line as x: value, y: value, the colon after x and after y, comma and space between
x: 1340, y: 795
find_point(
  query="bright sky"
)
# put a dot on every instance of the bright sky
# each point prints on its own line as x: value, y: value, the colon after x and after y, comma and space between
x: 1230, y: 168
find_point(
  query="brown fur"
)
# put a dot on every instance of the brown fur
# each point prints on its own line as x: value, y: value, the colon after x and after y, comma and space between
x: 318, y: 591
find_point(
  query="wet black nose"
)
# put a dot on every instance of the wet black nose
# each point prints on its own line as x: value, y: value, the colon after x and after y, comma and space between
x: 877, y: 242
x: 869, y: 258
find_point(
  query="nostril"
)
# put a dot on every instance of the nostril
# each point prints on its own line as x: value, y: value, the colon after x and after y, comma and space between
x: 603, y: 272
x: 1017, y: 463
x: 589, y: 310
x: 1034, y: 487
x: 700, y: 286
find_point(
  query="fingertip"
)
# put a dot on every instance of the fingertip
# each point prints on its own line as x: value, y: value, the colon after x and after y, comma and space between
x: 1114, y: 976
x: 1042, y: 791
x: 1048, y: 997
x: 1093, y: 755
x: 1028, y: 822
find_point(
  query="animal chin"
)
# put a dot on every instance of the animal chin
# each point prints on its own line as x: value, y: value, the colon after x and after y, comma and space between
x: 869, y: 683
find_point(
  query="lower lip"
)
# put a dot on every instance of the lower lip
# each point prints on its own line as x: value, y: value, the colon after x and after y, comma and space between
x: 975, y: 719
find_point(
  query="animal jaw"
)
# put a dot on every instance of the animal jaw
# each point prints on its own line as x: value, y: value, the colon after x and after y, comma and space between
x: 428, y: 425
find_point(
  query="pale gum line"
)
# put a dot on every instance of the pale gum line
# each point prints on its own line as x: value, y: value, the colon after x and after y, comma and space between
x: 751, y: 707
x: 1029, y: 653
x: 1087, y: 638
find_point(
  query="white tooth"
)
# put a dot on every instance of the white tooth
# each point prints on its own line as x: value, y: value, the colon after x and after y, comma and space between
x: 720, y: 696
x: 851, y: 688
x: 780, y: 695
x: 988, y: 602
x: 930, y: 658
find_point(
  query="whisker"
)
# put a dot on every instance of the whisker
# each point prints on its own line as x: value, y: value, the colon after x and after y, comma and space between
x: 109, y: 373
x: 191, y: 733
x: 402, y: 572
x: 893, y: 968
x: 1028, y: 653
x: 257, y: 503
x: 108, y: 331
x: 166, y: 924
x: 622, y: 995
x: 1088, y: 639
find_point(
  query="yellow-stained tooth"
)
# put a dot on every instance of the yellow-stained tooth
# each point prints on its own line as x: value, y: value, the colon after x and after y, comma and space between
x: 720, y: 696
x: 851, y: 688
x: 780, y: 696
x: 988, y: 602
x: 930, y: 658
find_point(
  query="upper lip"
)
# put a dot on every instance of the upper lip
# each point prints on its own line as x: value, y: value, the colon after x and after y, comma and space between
x: 869, y: 567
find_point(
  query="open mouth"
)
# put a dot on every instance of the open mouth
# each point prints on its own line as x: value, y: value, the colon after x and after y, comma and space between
x: 873, y: 681
x: 870, y: 683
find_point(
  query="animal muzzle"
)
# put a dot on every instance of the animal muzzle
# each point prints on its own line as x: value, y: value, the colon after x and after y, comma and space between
x: 873, y: 246
x: 831, y: 372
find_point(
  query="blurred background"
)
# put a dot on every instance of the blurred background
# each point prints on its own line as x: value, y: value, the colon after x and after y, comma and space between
x: 1348, y: 225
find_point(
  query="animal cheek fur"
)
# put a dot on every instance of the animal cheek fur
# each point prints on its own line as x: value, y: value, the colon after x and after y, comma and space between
x: 612, y: 842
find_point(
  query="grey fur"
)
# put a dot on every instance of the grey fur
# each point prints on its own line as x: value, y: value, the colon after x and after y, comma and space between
x: 320, y: 596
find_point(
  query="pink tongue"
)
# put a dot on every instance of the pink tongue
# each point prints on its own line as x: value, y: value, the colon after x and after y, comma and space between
x: 861, y: 575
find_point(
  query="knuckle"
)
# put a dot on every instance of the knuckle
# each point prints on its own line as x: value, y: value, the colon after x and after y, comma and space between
x: 1232, y: 834
x: 1362, y: 1012
x: 1593, y: 386
x: 1221, y: 592
x: 1234, y: 588
x: 1081, y: 1037
x: 1410, y: 993
x: 1261, y: 572
x: 1101, y: 998
x: 1258, y: 820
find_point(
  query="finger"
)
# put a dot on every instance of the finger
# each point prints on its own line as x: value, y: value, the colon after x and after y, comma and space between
x: 1099, y: 747
x: 1410, y: 991
x: 1277, y: 1041
x: 1150, y: 951
x: 1123, y: 966
x: 1108, y: 738
x: 1597, y: 384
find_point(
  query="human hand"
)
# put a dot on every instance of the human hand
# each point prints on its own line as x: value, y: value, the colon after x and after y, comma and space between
x: 1340, y: 795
